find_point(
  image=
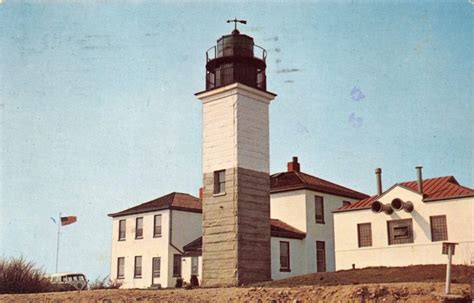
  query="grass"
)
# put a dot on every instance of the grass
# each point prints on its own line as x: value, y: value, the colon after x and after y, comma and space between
x: 105, y: 283
x: 17, y: 275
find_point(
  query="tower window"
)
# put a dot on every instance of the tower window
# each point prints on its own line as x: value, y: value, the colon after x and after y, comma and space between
x: 219, y: 182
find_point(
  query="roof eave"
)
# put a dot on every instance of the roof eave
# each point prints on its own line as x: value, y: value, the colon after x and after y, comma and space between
x: 288, y: 236
x: 449, y: 198
x: 126, y: 213
x: 299, y: 187
x: 350, y: 209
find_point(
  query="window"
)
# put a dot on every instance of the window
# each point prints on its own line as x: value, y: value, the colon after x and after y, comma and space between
x: 319, y: 209
x: 284, y: 256
x: 219, y: 182
x: 156, y: 267
x: 400, y: 231
x: 176, y: 265
x: 157, y: 226
x: 346, y: 203
x: 137, y: 273
x: 364, y: 234
x: 320, y: 256
x: 194, y: 266
x: 139, y: 228
x: 120, y: 267
x: 121, y: 235
x: 439, y: 228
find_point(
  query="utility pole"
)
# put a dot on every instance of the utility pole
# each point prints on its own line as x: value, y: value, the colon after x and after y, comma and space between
x: 57, y: 244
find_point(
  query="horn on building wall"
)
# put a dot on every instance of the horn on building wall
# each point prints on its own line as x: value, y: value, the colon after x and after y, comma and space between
x: 398, y: 204
x: 378, y: 207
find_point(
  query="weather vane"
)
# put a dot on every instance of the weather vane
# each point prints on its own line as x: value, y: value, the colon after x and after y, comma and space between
x: 235, y: 22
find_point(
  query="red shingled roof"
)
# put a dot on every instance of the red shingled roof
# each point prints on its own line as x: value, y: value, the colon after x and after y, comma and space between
x: 295, y: 180
x: 434, y: 189
x: 174, y: 200
x: 283, y: 230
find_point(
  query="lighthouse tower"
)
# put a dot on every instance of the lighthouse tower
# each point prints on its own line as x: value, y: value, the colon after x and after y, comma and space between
x: 236, y: 200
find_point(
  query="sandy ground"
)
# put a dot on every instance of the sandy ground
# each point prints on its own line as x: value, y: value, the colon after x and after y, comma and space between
x: 390, y: 292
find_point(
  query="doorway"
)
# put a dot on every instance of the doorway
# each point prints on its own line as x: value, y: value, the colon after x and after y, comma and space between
x: 320, y: 256
x: 155, y: 270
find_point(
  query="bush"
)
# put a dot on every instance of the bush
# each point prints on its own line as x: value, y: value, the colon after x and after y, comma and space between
x: 105, y: 283
x: 17, y: 275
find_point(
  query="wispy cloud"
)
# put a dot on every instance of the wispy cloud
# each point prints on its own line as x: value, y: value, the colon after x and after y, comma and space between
x: 287, y: 70
x: 275, y: 38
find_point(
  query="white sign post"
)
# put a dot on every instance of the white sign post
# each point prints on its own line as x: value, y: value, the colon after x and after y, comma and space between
x: 448, y: 249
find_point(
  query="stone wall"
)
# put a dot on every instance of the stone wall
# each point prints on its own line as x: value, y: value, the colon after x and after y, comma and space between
x: 236, y: 229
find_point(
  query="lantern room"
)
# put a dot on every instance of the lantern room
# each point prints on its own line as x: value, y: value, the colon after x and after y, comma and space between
x: 236, y: 58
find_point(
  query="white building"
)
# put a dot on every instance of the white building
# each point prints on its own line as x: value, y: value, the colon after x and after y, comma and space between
x: 302, y: 239
x: 302, y: 229
x: 147, y: 240
x: 373, y: 232
x: 306, y: 203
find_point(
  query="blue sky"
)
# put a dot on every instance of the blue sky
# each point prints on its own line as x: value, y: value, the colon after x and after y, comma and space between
x: 98, y: 111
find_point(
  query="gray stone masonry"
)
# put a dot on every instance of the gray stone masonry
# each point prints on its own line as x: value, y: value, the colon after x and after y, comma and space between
x: 236, y: 229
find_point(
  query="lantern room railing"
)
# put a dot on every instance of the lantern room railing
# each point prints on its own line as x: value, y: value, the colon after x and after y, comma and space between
x: 236, y: 49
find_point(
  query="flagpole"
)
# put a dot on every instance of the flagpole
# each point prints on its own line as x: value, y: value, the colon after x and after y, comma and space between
x: 57, y: 244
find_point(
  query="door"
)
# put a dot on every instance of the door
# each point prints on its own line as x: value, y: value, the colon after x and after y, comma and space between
x: 156, y: 269
x: 320, y: 256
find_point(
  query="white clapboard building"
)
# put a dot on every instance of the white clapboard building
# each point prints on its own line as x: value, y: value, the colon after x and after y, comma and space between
x: 406, y: 224
x: 147, y: 240
x: 156, y: 242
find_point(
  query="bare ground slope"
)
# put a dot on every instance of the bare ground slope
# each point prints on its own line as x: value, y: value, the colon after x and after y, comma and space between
x: 405, y: 284
x: 416, y: 273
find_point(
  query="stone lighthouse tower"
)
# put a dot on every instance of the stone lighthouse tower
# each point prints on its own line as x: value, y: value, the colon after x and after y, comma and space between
x: 236, y: 201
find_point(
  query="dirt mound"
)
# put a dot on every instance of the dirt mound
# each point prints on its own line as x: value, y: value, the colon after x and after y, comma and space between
x: 382, y: 284
x: 397, y: 292
x: 372, y: 275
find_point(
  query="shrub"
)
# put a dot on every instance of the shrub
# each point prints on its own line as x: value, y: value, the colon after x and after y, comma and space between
x: 17, y: 275
x: 105, y: 283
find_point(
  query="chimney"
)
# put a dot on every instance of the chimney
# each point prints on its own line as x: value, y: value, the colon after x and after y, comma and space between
x: 378, y: 178
x: 201, y: 193
x: 294, y: 165
x: 419, y: 178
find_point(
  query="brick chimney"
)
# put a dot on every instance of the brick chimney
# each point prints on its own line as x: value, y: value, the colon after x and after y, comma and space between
x: 201, y: 193
x: 294, y: 165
